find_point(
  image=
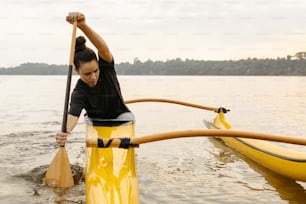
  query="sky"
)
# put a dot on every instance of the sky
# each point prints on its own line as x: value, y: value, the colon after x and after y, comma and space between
x: 36, y: 30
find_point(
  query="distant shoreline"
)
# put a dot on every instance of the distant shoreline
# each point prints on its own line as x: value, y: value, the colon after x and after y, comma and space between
x: 245, y: 67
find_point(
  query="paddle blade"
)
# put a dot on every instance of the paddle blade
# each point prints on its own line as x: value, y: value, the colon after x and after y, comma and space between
x: 59, y: 173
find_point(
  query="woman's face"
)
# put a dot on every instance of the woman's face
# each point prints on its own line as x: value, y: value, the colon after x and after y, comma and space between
x: 89, y: 72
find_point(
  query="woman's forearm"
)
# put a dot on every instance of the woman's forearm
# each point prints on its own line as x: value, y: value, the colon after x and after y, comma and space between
x: 97, y: 41
x: 71, y: 122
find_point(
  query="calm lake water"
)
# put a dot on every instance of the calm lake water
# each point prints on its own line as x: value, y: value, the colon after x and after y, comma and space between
x: 193, y: 170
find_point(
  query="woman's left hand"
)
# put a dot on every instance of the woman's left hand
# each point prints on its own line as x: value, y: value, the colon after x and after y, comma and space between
x: 76, y: 16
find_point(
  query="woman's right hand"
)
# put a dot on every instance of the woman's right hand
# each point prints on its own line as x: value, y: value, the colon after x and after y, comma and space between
x: 61, y: 138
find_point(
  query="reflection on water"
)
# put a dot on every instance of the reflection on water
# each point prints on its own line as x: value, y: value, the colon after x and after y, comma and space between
x: 287, y: 188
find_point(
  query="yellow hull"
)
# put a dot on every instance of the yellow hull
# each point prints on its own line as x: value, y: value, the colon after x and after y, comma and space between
x: 285, y: 161
x: 110, y: 173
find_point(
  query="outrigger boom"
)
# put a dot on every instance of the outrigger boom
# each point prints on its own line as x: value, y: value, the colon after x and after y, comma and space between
x: 126, y: 142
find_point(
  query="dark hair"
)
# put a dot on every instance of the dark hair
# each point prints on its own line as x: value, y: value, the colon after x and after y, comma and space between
x: 82, y: 53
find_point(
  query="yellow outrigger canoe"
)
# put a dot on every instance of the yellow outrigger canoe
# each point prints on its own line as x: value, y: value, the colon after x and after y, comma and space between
x: 287, y: 162
x: 110, y: 173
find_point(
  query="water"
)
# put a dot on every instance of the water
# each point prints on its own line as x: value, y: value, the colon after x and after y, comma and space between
x: 193, y: 170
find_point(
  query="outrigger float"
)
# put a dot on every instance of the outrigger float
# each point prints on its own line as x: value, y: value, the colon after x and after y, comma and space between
x: 110, y: 167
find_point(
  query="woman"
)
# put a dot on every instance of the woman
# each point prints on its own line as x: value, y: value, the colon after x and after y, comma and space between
x: 97, y: 91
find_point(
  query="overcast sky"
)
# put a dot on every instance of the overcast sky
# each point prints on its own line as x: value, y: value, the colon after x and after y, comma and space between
x: 36, y: 31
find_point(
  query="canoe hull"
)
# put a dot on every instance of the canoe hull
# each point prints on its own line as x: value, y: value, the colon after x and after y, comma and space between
x: 284, y: 161
x: 110, y: 173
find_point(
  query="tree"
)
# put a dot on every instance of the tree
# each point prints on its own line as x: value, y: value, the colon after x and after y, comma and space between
x: 301, y: 55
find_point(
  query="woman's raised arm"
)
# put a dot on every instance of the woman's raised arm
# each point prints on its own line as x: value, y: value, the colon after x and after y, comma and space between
x: 92, y: 35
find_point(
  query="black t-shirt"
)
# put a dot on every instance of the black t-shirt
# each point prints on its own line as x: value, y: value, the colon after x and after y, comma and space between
x: 102, y: 101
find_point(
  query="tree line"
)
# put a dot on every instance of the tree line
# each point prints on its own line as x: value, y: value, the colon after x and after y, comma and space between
x: 252, y: 66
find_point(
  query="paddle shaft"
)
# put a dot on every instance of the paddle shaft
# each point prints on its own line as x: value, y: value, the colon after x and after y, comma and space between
x: 69, y: 74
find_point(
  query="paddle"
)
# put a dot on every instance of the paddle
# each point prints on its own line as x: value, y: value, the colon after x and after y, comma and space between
x: 59, y: 173
x: 135, y: 142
